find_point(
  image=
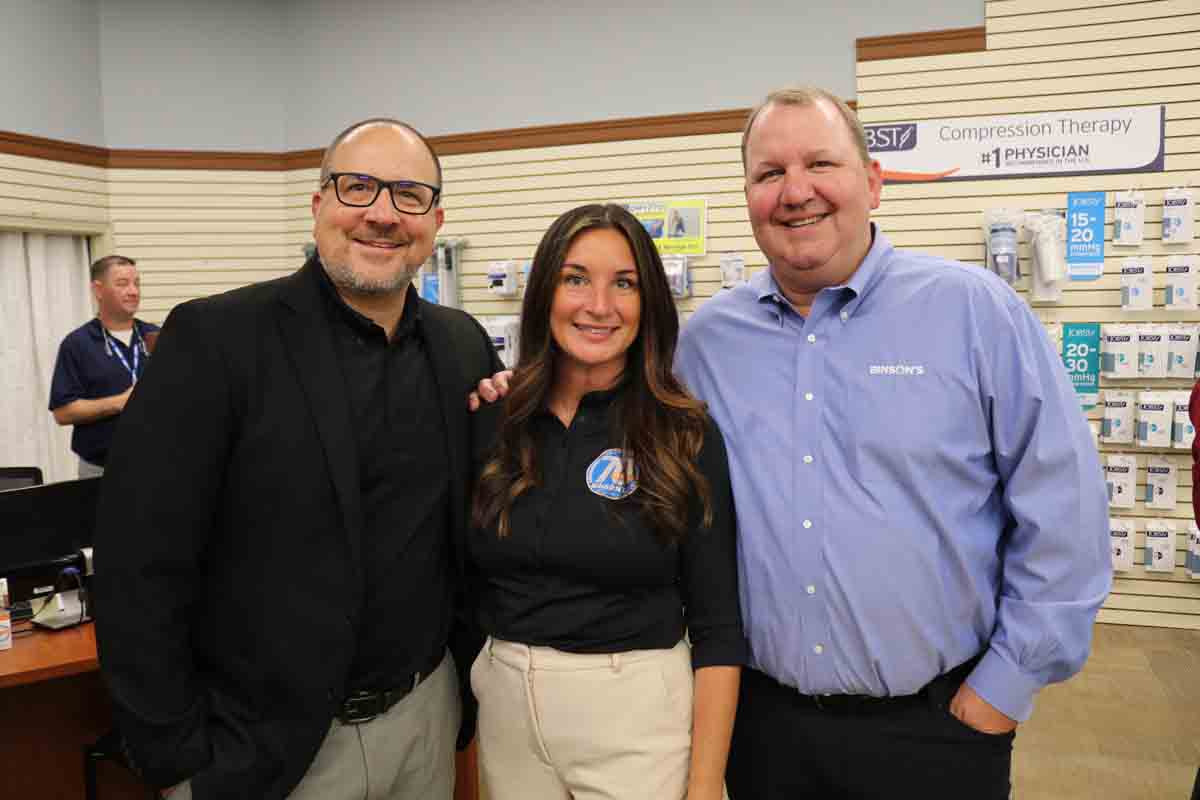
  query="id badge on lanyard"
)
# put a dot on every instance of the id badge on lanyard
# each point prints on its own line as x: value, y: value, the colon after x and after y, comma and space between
x: 135, y: 344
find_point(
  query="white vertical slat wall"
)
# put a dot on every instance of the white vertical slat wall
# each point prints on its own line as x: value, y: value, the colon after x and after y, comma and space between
x: 1047, y: 55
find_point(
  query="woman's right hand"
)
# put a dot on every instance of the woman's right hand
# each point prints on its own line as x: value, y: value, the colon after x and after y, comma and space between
x: 489, y: 390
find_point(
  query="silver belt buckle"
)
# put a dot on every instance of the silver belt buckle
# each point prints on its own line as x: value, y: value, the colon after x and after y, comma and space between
x: 360, y: 707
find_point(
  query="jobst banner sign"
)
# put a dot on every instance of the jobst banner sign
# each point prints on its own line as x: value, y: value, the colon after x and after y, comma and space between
x: 1109, y: 140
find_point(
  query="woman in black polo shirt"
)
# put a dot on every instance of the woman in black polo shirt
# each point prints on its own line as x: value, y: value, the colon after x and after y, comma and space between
x: 604, y: 529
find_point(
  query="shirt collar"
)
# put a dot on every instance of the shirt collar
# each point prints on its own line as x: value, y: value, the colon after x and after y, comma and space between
x: 861, y: 282
x: 596, y: 403
x: 95, y: 328
x: 410, y: 319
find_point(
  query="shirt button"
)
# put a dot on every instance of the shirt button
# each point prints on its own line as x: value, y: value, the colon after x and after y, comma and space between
x: 808, y: 395
x: 808, y: 459
x: 810, y: 589
x: 844, y: 315
x: 808, y: 523
x: 812, y: 338
x: 818, y: 649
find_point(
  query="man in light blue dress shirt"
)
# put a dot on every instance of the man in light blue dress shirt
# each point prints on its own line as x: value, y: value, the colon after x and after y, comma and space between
x: 921, y: 511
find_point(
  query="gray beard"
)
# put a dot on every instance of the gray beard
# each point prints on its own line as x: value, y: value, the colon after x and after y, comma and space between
x: 344, y: 278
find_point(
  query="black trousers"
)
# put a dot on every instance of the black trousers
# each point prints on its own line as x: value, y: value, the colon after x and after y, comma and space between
x: 787, y: 747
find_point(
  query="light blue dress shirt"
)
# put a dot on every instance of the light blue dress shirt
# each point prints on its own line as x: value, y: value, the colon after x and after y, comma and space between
x: 914, y: 479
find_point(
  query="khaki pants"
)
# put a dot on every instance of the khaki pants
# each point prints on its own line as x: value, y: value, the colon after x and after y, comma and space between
x: 406, y: 754
x: 557, y: 726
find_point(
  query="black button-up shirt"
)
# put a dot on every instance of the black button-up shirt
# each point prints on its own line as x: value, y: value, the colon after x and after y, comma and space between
x: 586, y: 574
x: 404, y: 477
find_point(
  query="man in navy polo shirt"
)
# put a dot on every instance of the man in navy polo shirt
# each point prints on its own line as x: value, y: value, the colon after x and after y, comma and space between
x: 100, y: 361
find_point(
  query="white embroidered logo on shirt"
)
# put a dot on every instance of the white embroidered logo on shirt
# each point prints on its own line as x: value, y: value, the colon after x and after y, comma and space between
x: 611, y: 475
x: 897, y: 369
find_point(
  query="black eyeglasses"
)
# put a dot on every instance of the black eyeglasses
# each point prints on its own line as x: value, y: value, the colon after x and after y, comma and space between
x: 408, y: 197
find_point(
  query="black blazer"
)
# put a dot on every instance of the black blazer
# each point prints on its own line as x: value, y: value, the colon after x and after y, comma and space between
x: 228, y: 554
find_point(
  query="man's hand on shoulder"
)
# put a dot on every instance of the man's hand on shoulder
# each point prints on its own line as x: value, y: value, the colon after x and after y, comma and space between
x: 975, y: 712
x: 489, y: 390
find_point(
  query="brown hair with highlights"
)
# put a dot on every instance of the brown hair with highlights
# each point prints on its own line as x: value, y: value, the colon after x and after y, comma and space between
x: 660, y: 425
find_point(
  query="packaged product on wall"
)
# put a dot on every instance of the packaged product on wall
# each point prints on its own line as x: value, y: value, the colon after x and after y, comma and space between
x: 1119, y: 351
x: 1120, y: 473
x: 1160, y: 545
x: 1182, y: 430
x: 1178, y: 211
x: 1117, y: 425
x: 1120, y: 537
x: 1047, y: 235
x: 1002, y: 230
x: 1161, y: 480
x: 1129, y: 218
x: 733, y: 270
x: 1152, y: 351
x: 1181, y: 351
x: 1155, y: 415
x: 678, y: 276
x: 1136, y: 285
x: 1179, y: 293
x: 1193, y: 551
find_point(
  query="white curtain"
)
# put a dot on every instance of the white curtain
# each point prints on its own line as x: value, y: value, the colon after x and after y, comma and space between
x: 44, y: 295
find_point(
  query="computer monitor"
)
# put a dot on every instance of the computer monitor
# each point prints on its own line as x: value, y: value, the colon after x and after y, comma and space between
x: 43, y: 530
x: 19, y: 477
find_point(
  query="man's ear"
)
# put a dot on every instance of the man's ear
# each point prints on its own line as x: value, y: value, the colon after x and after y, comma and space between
x: 875, y: 182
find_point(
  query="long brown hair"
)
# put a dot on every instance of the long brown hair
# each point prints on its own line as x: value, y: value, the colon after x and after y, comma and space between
x: 660, y: 424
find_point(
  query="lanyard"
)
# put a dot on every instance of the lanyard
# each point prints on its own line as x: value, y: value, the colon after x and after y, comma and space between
x: 135, y: 344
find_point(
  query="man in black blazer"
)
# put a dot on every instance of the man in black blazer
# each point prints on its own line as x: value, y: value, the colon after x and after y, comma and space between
x: 280, y: 532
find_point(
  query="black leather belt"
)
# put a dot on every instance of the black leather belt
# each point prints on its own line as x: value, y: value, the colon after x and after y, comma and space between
x: 939, y: 691
x: 364, y: 706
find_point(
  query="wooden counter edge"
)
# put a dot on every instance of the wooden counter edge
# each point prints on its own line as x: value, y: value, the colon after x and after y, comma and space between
x: 45, y: 655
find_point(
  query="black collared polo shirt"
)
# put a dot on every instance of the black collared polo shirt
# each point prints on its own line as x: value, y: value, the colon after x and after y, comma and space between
x: 582, y: 571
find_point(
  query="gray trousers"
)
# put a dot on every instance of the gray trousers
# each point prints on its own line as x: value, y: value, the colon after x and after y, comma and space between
x: 406, y: 754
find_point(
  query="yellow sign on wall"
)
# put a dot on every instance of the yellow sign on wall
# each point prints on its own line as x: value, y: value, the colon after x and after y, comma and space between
x: 678, y: 227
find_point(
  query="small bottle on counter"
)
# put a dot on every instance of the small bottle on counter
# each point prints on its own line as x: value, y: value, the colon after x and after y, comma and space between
x: 5, y: 617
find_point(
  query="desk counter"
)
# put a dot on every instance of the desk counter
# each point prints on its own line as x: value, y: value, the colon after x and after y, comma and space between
x: 53, y: 704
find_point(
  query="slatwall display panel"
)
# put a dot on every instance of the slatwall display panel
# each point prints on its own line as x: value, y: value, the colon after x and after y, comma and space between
x: 501, y: 203
x: 199, y: 232
x: 52, y: 196
x: 1050, y: 55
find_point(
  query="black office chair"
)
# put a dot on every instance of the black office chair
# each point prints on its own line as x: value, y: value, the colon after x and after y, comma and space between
x: 106, y: 748
x: 19, y: 477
